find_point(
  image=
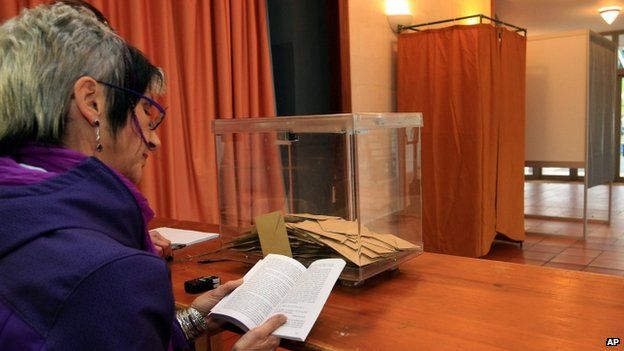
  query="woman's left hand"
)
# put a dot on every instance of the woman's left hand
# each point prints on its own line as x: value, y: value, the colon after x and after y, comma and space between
x: 163, y: 246
x: 206, y: 301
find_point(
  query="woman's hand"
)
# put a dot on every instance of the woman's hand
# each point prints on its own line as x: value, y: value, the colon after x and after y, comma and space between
x: 260, y: 338
x: 206, y: 301
x: 163, y: 246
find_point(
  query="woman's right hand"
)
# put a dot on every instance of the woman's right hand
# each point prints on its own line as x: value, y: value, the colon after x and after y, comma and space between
x: 162, y: 244
x: 260, y: 338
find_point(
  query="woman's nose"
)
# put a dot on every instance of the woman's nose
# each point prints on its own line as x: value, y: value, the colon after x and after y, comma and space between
x: 154, y: 141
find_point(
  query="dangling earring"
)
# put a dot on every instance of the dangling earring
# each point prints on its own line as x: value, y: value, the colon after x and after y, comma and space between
x: 99, y: 146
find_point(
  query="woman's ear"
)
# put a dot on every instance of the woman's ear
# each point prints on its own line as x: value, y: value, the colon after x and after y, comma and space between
x: 89, y: 99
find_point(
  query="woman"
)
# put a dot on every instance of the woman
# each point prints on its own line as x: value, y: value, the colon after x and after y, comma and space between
x: 77, y: 123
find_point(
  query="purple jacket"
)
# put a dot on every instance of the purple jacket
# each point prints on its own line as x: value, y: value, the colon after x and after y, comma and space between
x: 73, y: 271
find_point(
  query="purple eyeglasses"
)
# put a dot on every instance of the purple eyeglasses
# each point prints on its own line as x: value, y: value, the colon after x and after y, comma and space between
x: 154, y: 111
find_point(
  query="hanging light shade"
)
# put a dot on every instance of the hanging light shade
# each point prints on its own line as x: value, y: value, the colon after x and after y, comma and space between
x: 609, y: 14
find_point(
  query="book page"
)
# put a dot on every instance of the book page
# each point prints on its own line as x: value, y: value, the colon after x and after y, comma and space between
x: 305, y: 301
x: 246, y: 277
x: 263, y: 289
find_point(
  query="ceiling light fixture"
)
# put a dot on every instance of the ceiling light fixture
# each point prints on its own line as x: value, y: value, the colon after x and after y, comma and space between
x: 609, y: 14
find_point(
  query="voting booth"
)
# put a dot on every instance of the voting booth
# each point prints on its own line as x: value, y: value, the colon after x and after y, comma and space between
x: 570, y: 108
x: 345, y: 185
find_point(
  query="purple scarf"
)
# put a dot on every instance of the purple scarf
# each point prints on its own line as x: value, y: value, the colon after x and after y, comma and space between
x: 55, y: 160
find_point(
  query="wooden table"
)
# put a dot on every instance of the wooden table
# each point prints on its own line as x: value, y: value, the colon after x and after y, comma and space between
x: 441, y: 302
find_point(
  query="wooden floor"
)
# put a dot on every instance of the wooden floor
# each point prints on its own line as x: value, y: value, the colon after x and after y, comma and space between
x: 559, y: 243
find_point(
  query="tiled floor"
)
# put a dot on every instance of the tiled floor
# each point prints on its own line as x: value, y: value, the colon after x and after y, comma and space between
x: 559, y: 243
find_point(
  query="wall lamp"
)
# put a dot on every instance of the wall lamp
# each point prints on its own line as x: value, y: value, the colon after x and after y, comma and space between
x: 398, y: 14
x: 609, y: 14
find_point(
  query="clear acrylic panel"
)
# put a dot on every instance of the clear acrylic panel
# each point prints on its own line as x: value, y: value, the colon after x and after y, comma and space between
x: 363, y: 169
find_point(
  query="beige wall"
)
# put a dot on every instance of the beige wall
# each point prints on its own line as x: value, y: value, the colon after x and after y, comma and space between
x: 556, y: 100
x: 373, y: 46
x: 373, y: 80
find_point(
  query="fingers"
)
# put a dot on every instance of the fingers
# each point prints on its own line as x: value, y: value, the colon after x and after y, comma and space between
x: 271, y: 324
x: 228, y: 287
x: 206, y: 301
x: 166, y: 251
x: 271, y: 342
x: 159, y: 239
x: 163, y: 246
x: 260, y: 338
x: 159, y: 251
x: 249, y: 342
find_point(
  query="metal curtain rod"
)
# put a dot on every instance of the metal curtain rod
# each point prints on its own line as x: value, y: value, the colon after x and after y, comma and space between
x: 481, y: 17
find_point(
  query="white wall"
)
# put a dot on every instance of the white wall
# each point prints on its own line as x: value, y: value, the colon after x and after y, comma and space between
x: 373, y: 46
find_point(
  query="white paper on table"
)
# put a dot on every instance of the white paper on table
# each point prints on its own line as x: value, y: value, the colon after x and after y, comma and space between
x: 185, y: 237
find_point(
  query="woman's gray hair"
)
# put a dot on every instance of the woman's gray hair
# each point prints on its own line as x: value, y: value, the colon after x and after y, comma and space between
x: 42, y: 54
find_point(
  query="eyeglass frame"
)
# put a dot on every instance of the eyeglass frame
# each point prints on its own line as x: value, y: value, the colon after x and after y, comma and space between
x: 162, y: 110
x: 135, y: 120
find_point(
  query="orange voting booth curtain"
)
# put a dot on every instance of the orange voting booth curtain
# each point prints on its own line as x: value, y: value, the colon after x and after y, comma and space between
x: 469, y: 83
x: 215, y: 55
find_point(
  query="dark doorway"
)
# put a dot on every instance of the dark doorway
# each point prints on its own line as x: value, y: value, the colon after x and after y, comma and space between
x: 308, y: 49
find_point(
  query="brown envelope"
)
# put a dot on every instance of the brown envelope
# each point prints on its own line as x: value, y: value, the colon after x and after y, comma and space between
x: 395, y: 241
x: 370, y: 253
x: 377, y: 248
x: 346, y: 252
x: 313, y: 216
x: 314, y: 227
x: 272, y: 234
x: 340, y: 226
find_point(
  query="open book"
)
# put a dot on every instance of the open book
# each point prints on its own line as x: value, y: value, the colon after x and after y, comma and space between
x: 281, y: 285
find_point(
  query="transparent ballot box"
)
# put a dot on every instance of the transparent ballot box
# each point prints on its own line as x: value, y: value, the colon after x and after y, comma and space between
x: 345, y: 185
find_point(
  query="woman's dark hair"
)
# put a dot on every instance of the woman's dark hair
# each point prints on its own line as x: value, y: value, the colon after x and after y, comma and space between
x: 140, y: 76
